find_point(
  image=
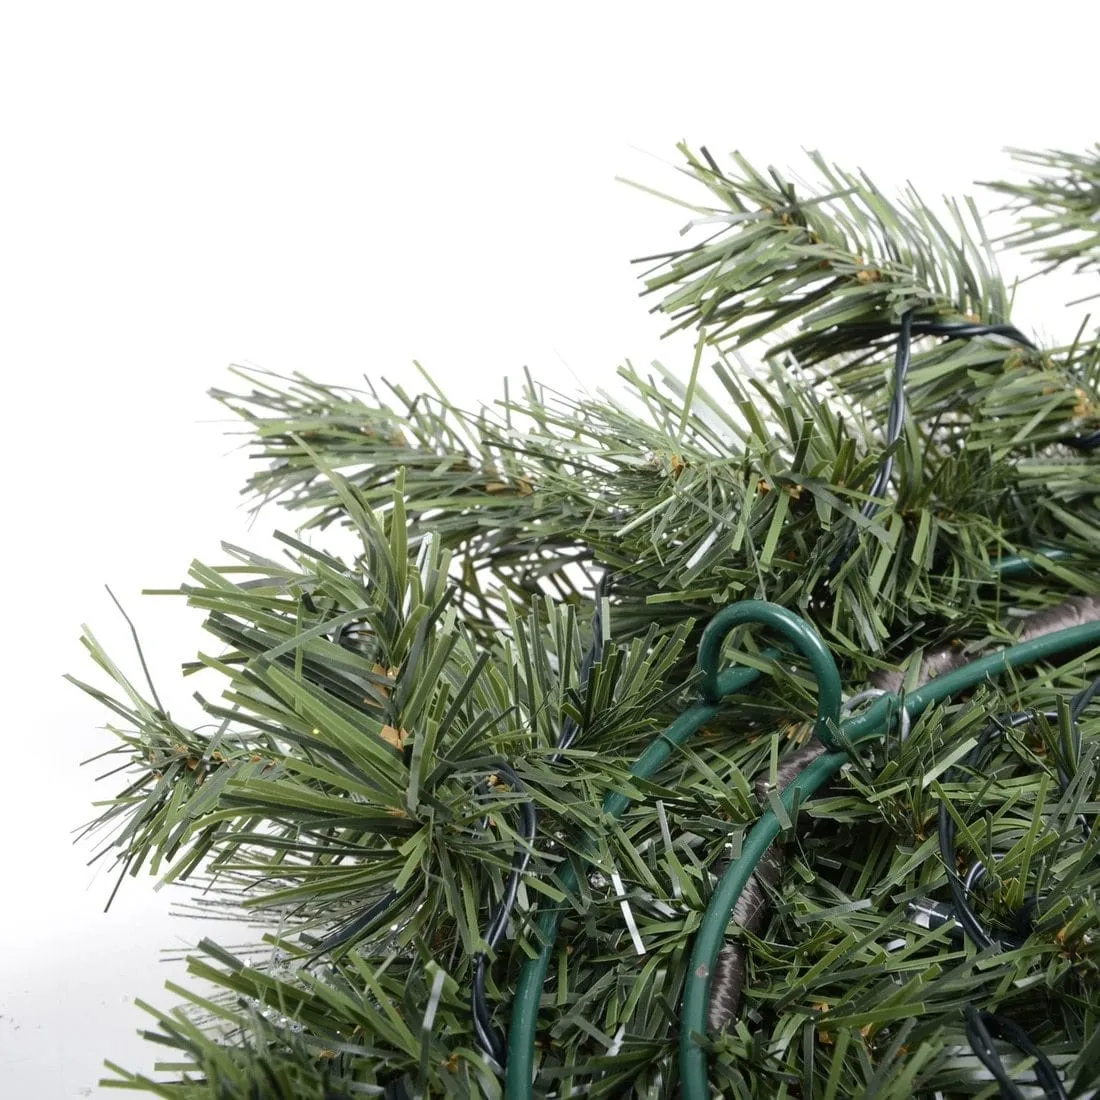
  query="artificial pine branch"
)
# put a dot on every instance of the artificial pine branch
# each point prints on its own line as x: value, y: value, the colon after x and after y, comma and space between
x: 836, y: 257
x: 1058, y: 209
x: 352, y: 791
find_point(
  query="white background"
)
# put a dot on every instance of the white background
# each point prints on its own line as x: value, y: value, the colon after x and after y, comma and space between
x: 341, y: 188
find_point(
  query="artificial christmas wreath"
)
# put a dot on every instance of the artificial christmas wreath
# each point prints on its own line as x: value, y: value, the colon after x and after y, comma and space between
x: 731, y: 734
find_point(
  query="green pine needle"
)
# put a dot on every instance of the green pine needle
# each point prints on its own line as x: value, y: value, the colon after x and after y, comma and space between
x: 348, y: 792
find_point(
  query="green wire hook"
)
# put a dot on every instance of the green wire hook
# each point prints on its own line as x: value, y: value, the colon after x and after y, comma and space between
x: 716, y: 687
x: 871, y: 723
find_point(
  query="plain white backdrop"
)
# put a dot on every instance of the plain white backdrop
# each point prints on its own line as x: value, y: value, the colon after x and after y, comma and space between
x: 341, y: 188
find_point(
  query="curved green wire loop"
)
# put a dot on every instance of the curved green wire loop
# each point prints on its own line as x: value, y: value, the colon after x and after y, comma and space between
x: 870, y: 723
x: 716, y: 685
x: 521, y: 1033
x: 873, y: 722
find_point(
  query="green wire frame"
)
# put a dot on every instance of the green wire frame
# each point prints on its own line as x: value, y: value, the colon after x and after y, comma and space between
x: 873, y: 722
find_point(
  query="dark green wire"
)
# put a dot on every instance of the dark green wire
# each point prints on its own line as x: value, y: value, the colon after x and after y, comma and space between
x: 1016, y: 565
x: 716, y: 686
x: 875, y: 721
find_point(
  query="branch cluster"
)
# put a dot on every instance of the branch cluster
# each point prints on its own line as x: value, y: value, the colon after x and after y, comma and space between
x: 352, y: 788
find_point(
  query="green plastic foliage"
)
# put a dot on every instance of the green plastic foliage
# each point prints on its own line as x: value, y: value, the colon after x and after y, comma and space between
x: 1058, y: 209
x: 830, y: 257
x: 343, y: 793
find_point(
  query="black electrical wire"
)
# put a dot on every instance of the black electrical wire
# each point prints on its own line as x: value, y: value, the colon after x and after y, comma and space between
x: 964, y: 912
x: 894, y: 426
x: 960, y: 330
x: 906, y: 331
x: 961, y: 888
x: 965, y: 330
x: 356, y: 925
x: 896, y: 422
x: 982, y: 1026
x: 953, y: 330
x: 1083, y: 442
x: 979, y: 1024
x: 488, y: 1038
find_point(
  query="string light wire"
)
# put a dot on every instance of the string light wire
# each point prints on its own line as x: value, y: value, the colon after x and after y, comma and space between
x: 870, y: 723
x: 696, y: 1002
x: 974, y: 762
x: 488, y: 1038
x: 888, y: 710
x: 486, y: 1035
